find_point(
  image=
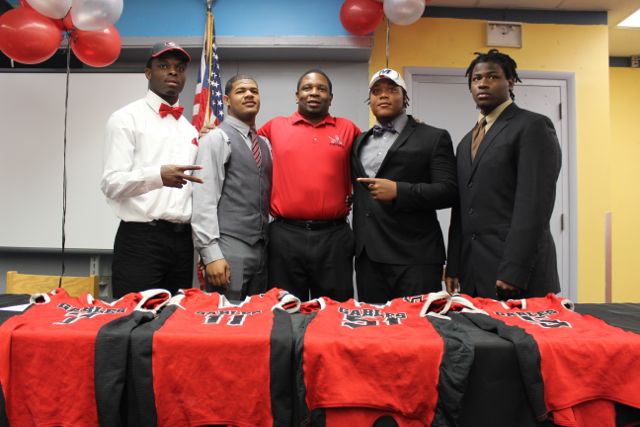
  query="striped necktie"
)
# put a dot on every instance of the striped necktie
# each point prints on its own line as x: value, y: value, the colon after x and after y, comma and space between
x: 255, y: 146
x: 478, y: 135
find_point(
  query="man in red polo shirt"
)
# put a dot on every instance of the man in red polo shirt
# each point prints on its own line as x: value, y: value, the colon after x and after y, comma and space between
x: 311, y: 244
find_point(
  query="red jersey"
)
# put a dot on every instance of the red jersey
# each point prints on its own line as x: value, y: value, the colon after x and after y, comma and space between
x: 370, y: 360
x: 311, y: 172
x: 207, y: 361
x: 64, y: 358
x: 581, y: 359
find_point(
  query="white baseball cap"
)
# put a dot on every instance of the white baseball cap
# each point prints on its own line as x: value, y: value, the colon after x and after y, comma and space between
x: 388, y: 73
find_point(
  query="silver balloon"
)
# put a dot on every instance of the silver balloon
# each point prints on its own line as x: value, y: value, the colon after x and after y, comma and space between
x: 55, y: 9
x: 404, y: 12
x: 95, y: 15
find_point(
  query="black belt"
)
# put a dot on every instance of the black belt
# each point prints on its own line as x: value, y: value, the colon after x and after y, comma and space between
x: 161, y: 224
x: 312, y: 225
x: 176, y: 227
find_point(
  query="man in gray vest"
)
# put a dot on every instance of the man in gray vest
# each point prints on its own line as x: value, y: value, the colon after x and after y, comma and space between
x: 231, y: 208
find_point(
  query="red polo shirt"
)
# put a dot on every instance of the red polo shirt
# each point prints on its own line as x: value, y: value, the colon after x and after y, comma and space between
x: 311, y: 173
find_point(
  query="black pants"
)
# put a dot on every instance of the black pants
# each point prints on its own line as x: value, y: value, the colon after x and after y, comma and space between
x: 316, y: 261
x: 378, y: 283
x: 152, y: 255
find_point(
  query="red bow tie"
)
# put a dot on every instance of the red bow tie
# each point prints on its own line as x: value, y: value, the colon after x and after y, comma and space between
x: 174, y: 111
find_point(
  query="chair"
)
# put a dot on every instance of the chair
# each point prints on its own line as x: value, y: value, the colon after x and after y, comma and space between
x: 35, y: 283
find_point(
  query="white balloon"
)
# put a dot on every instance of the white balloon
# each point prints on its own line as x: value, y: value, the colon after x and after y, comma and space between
x: 404, y: 12
x: 95, y: 15
x: 55, y: 9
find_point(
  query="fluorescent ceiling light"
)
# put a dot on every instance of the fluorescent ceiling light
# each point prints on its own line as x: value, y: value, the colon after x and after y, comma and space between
x: 632, y: 21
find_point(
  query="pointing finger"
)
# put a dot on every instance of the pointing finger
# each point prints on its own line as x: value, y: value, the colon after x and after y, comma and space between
x: 366, y: 180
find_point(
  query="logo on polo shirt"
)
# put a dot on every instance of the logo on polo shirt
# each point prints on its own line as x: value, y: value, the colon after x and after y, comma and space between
x: 335, y: 140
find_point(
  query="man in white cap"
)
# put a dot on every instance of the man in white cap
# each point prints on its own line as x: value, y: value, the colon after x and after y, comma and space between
x: 150, y: 149
x: 403, y: 171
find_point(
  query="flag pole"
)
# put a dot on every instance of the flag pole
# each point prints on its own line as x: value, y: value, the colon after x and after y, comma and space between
x: 209, y: 47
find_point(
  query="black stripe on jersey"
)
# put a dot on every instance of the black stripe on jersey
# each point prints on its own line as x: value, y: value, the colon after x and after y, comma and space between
x: 319, y: 417
x: 140, y: 399
x: 528, y: 356
x: 301, y: 415
x: 457, y: 360
x: 281, y: 368
x: 110, y: 366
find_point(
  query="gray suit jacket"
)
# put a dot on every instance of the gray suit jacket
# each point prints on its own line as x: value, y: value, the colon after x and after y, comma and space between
x: 500, y: 227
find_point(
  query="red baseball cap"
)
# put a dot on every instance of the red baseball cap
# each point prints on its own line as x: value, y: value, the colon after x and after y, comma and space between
x: 164, y: 47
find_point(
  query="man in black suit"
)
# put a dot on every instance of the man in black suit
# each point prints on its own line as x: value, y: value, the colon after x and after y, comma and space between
x: 403, y: 171
x: 500, y: 244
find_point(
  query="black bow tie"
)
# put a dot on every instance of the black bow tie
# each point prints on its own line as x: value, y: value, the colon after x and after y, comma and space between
x: 379, y: 130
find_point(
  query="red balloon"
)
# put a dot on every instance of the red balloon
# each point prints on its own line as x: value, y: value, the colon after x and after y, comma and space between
x: 68, y: 23
x: 58, y: 23
x: 96, y: 48
x: 27, y: 36
x: 361, y: 16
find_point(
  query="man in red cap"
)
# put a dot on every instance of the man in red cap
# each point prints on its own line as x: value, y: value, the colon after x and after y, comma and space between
x: 150, y: 149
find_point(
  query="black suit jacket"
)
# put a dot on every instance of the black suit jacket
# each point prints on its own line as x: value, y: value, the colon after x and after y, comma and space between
x: 406, y: 231
x: 500, y: 228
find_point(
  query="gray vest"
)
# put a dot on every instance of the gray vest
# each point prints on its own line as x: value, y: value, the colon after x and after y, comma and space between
x: 243, y: 210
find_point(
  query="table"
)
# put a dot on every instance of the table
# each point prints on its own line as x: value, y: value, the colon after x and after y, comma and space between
x: 495, y: 395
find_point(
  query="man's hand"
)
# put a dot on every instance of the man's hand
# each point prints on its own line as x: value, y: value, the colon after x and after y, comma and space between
x: 206, y: 129
x: 452, y: 284
x: 175, y: 176
x: 506, y: 291
x: 381, y: 189
x: 219, y: 273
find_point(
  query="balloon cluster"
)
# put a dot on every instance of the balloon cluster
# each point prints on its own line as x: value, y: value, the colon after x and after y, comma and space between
x: 32, y: 32
x: 363, y: 16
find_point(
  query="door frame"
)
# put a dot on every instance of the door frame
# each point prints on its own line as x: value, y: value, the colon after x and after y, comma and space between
x: 568, y: 110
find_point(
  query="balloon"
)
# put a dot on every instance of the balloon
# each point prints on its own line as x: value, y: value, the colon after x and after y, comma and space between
x: 68, y: 23
x: 93, y: 15
x: 27, y: 36
x: 360, y: 16
x: 59, y: 24
x: 96, y: 48
x: 55, y: 9
x: 404, y: 12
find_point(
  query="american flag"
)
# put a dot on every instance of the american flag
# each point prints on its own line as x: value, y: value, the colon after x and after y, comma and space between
x: 207, y: 103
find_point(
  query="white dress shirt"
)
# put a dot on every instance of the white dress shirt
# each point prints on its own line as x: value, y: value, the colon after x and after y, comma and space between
x: 137, y: 143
